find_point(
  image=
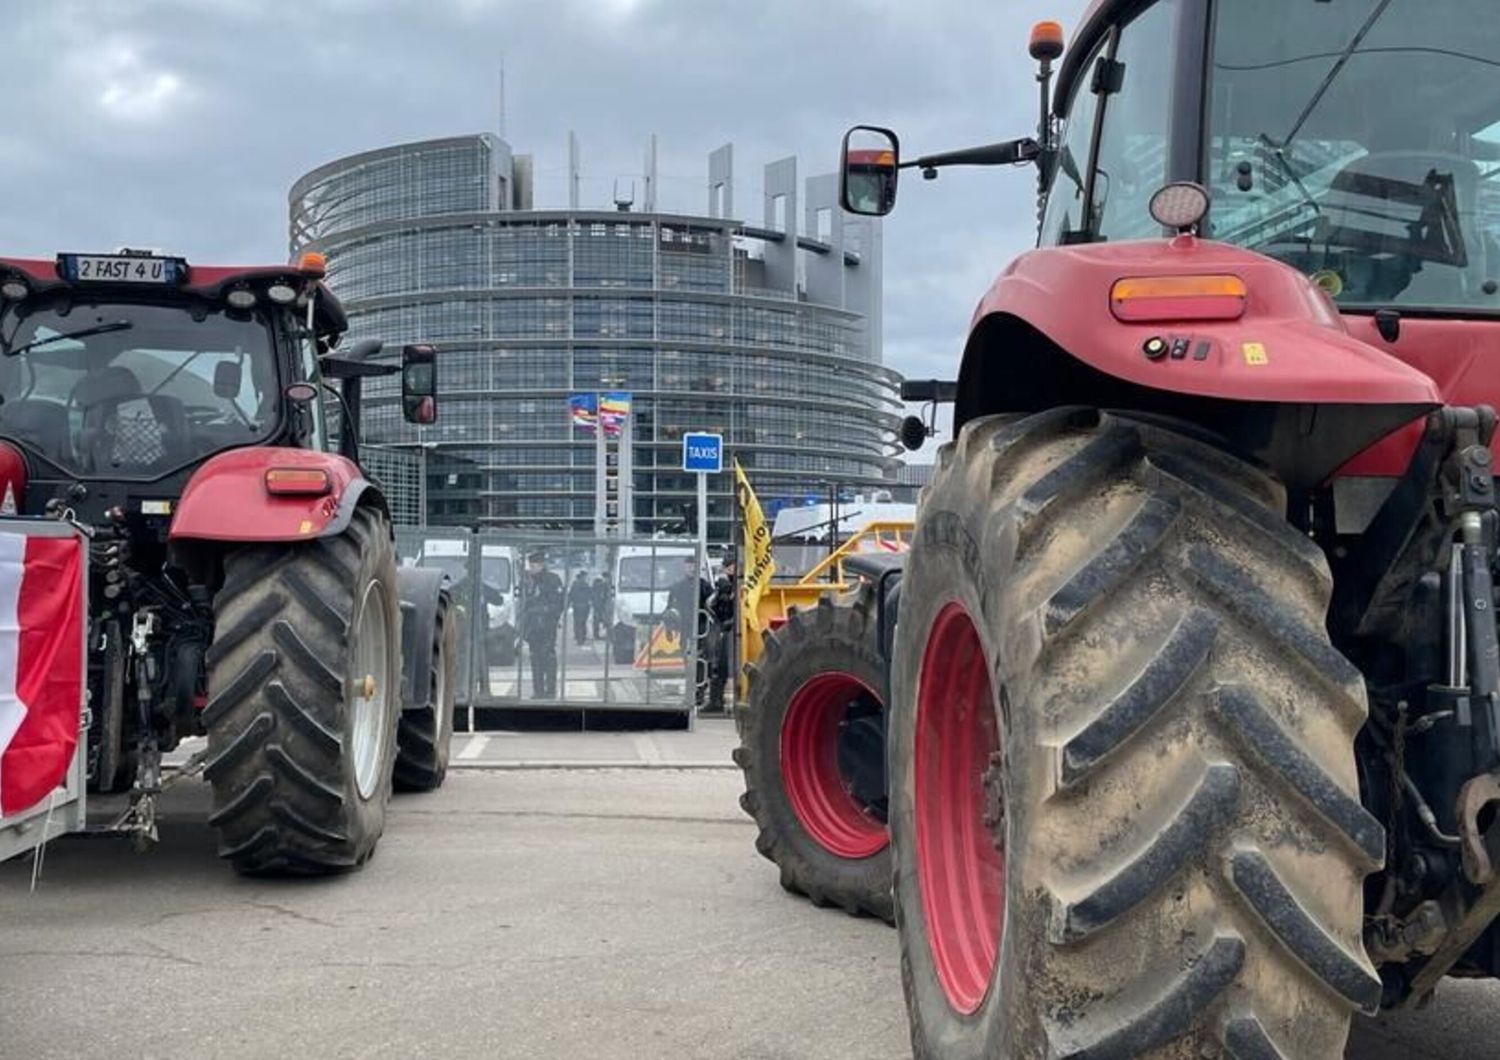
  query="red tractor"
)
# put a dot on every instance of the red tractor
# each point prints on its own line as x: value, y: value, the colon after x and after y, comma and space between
x: 243, y: 582
x: 1194, y: 737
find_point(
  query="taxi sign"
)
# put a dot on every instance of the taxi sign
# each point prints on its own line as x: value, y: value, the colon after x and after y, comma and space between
x: 703, y: 452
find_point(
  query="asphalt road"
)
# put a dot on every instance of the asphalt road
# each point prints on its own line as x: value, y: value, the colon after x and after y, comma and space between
x: 537, y: 914
x: 512, y: 914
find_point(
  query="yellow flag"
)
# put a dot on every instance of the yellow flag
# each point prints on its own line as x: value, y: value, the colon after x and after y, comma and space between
x: 756, y: 564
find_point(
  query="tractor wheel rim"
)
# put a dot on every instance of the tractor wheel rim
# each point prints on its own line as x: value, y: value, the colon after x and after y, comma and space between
x: 959, y: 811
x: 369, y: 658
x: 816, y: 788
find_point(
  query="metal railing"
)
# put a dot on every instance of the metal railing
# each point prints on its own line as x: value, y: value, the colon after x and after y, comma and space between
x: 592, y: 623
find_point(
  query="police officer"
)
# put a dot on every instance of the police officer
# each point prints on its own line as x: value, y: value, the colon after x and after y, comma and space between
x: 603, y: 606
x: 721, y: 607
x: 580, y: 598
x: 541, y: 610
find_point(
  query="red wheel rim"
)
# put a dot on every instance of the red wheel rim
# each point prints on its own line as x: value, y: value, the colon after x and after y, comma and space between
x: 960, y: 873
x: 810, y: 770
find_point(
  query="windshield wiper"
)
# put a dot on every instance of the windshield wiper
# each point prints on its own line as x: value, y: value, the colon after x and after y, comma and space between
x: 1338, y: 68
x: 81, y: 333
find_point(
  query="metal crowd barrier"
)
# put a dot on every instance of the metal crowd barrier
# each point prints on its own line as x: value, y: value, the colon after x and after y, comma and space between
x: 600, y: 627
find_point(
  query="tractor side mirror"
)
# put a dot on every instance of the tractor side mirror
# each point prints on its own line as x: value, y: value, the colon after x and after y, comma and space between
x: 419, y: 384
x: 868, y: 165
x: 914, y: 433
x: 228, y: 375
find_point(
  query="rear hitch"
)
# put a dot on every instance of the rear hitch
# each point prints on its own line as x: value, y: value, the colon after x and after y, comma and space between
x: 1456, y: 455
x: 139, y: 821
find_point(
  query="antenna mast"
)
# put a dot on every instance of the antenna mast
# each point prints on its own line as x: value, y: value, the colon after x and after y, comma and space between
x: 502, y: 99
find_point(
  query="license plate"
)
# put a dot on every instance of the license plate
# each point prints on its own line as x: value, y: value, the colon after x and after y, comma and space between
x: 119, y: 268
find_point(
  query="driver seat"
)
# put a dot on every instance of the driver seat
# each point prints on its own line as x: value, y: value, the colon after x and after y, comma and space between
x: 125, y: 429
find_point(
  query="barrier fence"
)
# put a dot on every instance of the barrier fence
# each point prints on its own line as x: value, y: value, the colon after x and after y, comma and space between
x: 592, y: 623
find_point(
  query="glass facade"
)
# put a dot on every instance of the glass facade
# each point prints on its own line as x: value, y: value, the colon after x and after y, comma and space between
x: 527, y: 306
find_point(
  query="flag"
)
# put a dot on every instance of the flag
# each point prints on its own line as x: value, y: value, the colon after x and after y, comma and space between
x: 41, y: 664
x: 757, y: 566
x: 582, y: 411
x: 614, y: 410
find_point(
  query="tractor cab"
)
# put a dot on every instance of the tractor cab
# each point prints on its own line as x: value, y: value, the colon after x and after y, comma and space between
x: 1358, y: 142
x: 1261, y: 133
x: 122, y: 374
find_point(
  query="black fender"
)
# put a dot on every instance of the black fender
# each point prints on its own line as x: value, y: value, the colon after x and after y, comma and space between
x: 884, y: 569
x: 422, y: 592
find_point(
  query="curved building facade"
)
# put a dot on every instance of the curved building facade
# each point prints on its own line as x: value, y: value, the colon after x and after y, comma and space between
x: 758, y: 333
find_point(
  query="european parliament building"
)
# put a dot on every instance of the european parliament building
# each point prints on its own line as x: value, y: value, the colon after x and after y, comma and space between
x: 768, y: 334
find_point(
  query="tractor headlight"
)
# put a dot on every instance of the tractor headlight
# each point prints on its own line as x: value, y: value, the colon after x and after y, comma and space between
x: 241, y: 298
x: 282, y: 293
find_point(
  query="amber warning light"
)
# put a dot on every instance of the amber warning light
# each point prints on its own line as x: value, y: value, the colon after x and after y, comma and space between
x: 1046, y: 41
x: 312, y: 263
x: 298, y: 481
x: 1163, y: 298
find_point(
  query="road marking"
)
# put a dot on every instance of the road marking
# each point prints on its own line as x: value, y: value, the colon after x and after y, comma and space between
x: 474, y: 748
x: 646, y: 748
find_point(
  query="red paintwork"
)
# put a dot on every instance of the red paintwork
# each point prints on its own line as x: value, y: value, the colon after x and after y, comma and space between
x: 960, y: 873
x: 12, y: 474
x: 1461, y: 358
x: 1310, y: 357
x: 226, y: 499
x: 810, y: 768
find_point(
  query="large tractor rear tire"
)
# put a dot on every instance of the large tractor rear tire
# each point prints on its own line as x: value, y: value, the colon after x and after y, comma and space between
x: 304, y: 686
x: 425, y: 734
x: 812, y: 748
x: 1124, y: 808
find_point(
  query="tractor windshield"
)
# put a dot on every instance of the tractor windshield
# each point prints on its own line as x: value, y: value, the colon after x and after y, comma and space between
x: 1359, y: 142
x: 124, y: 390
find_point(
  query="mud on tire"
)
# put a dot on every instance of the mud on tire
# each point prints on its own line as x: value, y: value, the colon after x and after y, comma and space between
x: 283, y: 701
x: 812, y: 669
x: 424, y: 735
x: 1112, y: 659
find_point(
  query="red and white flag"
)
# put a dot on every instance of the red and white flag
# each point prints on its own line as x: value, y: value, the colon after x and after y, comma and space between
x: 41, y: 664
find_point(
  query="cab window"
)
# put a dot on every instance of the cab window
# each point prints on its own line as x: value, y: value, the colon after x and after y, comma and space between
x: 1131, y: 159
x: 1064, y: 211
x: 1130, y: 76
x: 308, y: 356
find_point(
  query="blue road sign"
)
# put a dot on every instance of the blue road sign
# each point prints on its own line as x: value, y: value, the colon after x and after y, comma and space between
x: 703, y: 452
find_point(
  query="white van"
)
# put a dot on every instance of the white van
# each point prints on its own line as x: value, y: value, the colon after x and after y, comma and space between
x: 642, y: 583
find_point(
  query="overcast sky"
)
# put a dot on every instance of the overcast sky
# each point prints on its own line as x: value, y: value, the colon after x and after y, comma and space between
x: 181, y: 124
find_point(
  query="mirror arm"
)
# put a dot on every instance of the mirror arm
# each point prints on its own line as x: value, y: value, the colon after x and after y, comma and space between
x: 342, y: 368
x: 1006, y: 153
x: 936, y: 390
